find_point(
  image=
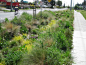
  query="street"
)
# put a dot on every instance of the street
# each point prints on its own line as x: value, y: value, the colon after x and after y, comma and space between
x: 10, y: 15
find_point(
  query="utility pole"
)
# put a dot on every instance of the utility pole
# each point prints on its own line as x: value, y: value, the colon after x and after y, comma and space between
x: 41, y: 7
x: 11, y: 5
x: 71, y: 6
x: 34, y: 11
x: 84, y: 4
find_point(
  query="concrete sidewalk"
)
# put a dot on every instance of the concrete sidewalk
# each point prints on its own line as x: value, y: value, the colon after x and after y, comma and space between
x: 79, y: 39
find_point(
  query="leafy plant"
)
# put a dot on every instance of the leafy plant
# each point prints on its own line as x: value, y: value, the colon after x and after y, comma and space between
x: 0, y: 57
x: 34, y: 31
x: 38, y: 55
x: 23, y: 29
x: 13, y: 57
x: 13, y: 43
x: 26, y: 16
x: 24, y: 36
x: 6, y: 20
x: 44, y: 15
x: 17, y: 39
x: 3, y: 44
x: 5, y: 51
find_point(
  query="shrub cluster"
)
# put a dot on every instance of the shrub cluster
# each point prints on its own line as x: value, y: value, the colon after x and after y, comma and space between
x: 44, y: 41
x: 54, y: 46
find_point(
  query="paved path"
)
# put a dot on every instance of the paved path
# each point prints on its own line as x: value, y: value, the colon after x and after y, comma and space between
x: 79, y: 39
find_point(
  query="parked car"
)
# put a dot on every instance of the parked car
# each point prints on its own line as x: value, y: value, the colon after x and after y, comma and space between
x: 44, y: 6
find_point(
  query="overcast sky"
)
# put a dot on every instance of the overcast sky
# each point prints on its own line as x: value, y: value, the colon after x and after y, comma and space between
x: 67, y: 2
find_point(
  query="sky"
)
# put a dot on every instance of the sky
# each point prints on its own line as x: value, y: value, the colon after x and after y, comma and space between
x: 67, y: 2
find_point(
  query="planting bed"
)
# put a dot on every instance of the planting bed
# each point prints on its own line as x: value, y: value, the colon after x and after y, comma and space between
x: 43, y: 41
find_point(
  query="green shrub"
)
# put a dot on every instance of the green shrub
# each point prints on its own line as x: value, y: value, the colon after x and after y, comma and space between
x: 3, y: 44
x: 24, y: 36
x: 5, y: 51
x: 23, y: 29
x: 68, y: 33
x: 68, y: 24
x: 7, y: 36
x: 0, y: 57
x: 44, y: 15
x: 6, y: 20
x: 57, y: 57
x: 13, y: 43
x: 22, y: 19
x: 26, y: 16
x: 13, y: 57
x: 52, y: 47
x: 34, y: 31
x: 15, y: 48
x: 37, y: 56
x: 62, y: 42
x: 17, y: 21
x: 53, y: 57
x: 8, y: 31
x: 68, y: 15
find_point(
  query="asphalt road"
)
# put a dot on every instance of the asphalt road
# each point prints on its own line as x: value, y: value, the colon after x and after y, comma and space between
x: 10, y: 15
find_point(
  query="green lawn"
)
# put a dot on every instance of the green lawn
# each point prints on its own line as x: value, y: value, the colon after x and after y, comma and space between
x: 83, y: 12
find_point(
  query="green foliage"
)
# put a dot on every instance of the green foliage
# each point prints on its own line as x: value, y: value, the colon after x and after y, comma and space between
x: 51, y: 12
x: 23, y: 29
x: 26, y: 16
x: 5, y: 51
x: 34, y: 31
x: 15, y: 48
x: 24, y: 36
x: 45, y: 15
x: 13, y: 43
x: 22, y: 19
x: 77, y: 7
x: 51, y: 47
x: 6, y: 20
x: 59, y: 3
x: 83, y: 13
x: 13, y: 57
x: 36, y: 54
x: 7, y: 36
x: 1, y: 56
x: 68, y: 24
x: 3, y: 44
x: 17, y: 21
x: 58, y: 57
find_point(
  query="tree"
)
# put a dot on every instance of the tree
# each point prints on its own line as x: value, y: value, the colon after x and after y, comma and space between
x: 84, y: 3
x: 59, y: 3
x: 76, y: 7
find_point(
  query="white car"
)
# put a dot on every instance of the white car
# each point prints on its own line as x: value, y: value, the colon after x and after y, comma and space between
x: 44, y: 6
